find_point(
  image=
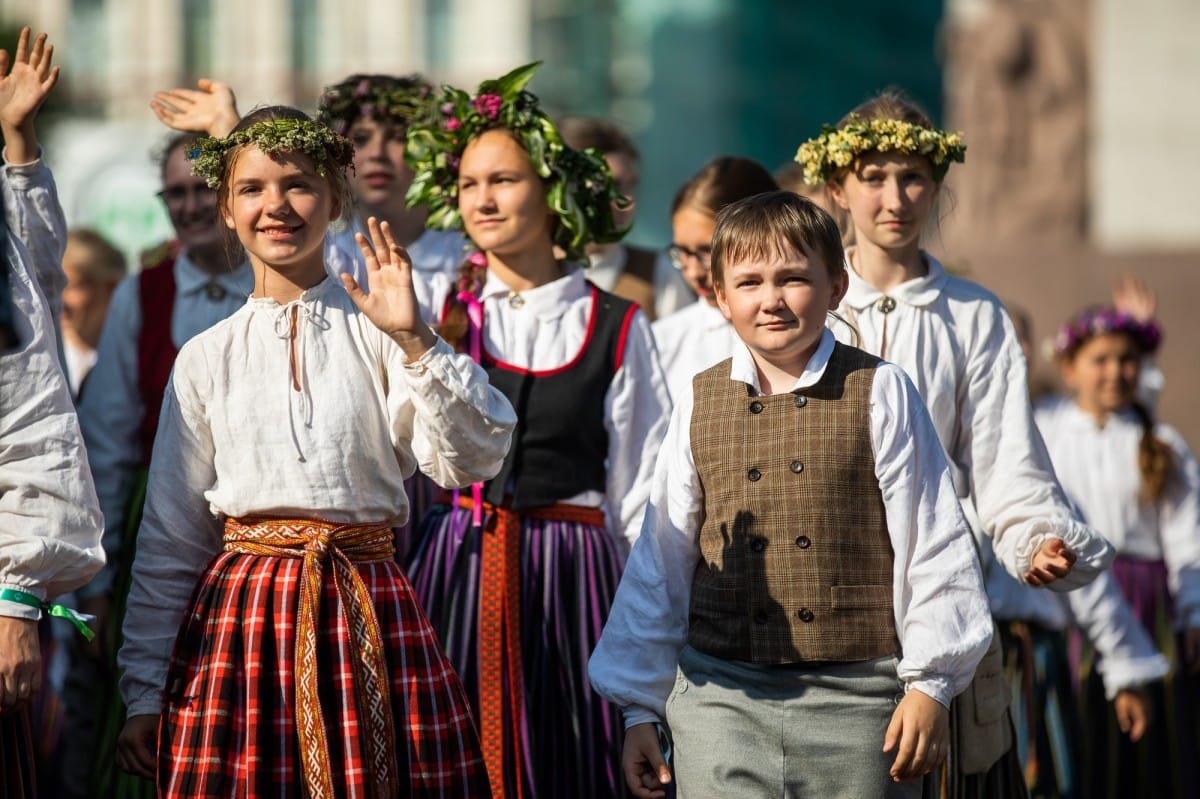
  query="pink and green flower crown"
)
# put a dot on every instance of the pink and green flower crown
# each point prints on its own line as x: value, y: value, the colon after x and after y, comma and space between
x: 838, y: 147
x: 581, y: 190
x: 1101, y: 320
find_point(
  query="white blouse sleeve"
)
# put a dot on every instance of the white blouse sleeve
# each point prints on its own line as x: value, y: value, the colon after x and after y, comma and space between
x: 50, y: 523
x: 1179, y: 527
x: 35, y: 217
x: 942, y: 615
x: 177, y: 538
x: 637, y: 409
x: 633, y: 665
x: 459, y: 425
x: 1019, y: 500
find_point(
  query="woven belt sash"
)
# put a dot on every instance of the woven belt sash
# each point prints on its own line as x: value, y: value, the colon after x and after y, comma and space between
x: 344, y: 545
x: 500, y: 627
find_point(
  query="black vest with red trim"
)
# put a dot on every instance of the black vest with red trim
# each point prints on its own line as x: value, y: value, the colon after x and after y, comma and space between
x: 155, y: 350
x: 560, y: 445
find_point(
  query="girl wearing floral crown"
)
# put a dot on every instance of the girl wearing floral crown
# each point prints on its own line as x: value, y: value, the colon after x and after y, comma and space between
x: 1137, y: 482
x: 883, y: 164
x: 518, y: 574
x: 302, y: 636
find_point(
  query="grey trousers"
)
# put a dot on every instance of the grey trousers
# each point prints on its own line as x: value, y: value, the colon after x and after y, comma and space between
x: 743, y: 730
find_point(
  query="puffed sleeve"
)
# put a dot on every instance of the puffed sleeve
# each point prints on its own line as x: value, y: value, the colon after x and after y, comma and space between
x: 49, y: 520
x: 35, y: 217
x: 177, y: 537
x: 459, y: 425
x: 637, y: 410
x: 633, y: 665
x: 941, y: 608
x: 1019, y: 500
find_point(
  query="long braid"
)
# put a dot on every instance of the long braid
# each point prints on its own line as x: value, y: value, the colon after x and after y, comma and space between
x: 471, y: 275
x: 1156, y: 461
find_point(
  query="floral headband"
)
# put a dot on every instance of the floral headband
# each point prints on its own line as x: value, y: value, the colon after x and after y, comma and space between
x: 582, y: 193
x: 837, y: 147
x: 398, y: 100
x: 329, y: 151
x: 1098, y: 321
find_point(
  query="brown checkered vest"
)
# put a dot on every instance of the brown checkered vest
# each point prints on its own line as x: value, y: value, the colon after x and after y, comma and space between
x: 796, y: 562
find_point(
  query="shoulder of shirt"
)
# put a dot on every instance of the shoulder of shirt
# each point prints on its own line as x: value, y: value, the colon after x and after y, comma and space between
x: 684, y: 318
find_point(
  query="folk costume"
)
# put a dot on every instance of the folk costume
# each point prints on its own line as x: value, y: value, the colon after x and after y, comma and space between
x: 302, y: 630
x: 801, y: 587
x: 50, y: 523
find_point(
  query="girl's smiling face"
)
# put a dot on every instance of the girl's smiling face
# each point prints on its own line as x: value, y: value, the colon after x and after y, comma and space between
x: 501, y: 198
x: 280, y: 208
x: 1103, y: 373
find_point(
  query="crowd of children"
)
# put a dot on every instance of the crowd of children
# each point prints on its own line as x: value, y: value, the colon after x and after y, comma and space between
x: 402, y: 493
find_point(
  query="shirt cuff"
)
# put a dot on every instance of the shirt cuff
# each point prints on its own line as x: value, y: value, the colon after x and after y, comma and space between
x: 420, y: 366
x: 936, y: 688
x: 19, y: 610
x: 27, y: 169
x: 636, y: 714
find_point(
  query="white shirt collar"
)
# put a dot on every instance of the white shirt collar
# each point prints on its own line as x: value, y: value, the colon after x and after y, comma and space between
x: 191, y: 279
x: 550, y: 298
x: 919, y: 291
x: 743, y: 369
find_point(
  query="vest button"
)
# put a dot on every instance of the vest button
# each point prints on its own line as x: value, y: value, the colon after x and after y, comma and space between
x: 761, y: 617
x: 800, y: 400
x: 758, y: 544
x: 754, y: 475
x: 756, y: 407
x: 796, y: 467
x: 805, y: 615
x: 803, y: 542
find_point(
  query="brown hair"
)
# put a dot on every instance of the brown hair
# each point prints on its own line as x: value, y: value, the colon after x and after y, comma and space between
x: 581, y: 133
x: 102, y: 262
x: 334, y: 174
x: 723, y: 181
x: 1156, y: 459
x: 771, y: 224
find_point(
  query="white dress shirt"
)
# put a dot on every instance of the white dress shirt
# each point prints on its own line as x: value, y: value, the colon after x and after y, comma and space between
x: 691, y: 340
x: 111, y: 408
x: 941, y: 612
x: 1098, y: 467
x: 548, y: 331
x: 671, y: 291
x: 955, y: 341
x: 50, y: 523
x: 237, y: 438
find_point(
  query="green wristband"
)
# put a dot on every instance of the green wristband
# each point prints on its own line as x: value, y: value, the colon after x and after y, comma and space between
x: 61, y: 611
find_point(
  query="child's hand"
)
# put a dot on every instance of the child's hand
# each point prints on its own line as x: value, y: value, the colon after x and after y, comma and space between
x: 135, y: 745
x: 391, y: 304
x: 1052, y: 560
x: 25, y: 81
x: 645, y: 770
x: 211, y: 109
x: 1131, y: 295
x: 919, y: 735
x: 1134, y: 712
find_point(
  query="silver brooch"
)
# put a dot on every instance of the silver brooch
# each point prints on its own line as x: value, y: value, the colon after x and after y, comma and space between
x: 885, y: 305
x: 515, y: 300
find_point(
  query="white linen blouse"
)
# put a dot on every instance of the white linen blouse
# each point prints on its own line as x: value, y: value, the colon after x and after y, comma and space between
x: 956, y: 342
x: 942, y: 617
x: 332, y: 434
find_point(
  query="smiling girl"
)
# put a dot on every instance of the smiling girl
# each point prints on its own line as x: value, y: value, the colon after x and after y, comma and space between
x: 276, y: 502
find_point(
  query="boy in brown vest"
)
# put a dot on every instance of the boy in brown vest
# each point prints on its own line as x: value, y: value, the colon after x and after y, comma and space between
x: 805, y: 598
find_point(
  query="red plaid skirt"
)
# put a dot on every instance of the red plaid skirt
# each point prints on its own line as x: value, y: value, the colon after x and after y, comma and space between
x: 230, y: 725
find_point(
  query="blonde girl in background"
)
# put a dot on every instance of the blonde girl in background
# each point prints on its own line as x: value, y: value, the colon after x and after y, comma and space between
x: 883, y: 164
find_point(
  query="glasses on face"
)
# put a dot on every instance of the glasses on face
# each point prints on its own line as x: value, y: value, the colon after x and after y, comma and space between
x: 176, y: 196
x: 678, y: 254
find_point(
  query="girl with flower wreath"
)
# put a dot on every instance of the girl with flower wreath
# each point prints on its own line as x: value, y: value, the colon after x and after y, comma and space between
x: 518, y: 574
x: 1137, y: 481
x: 883, y: 164
x: 302, y: 664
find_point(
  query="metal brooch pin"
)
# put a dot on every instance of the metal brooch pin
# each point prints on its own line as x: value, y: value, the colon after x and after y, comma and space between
x: 215, y: 291
x: 885, y: 305
x: 515, y: 300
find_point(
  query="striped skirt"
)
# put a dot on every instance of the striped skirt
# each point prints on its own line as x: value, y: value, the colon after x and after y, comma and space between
x: 303, y: 670
x: 1164, y: 763
x: 558, y: 738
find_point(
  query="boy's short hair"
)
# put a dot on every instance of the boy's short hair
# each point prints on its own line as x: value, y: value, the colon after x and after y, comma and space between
x: 769, y: 224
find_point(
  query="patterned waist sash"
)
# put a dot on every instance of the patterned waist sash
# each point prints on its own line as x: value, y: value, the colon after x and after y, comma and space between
x: 319, y: 542
x: 500, y: 626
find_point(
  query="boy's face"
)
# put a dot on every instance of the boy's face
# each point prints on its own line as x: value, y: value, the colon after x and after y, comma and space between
x: 778, y: 304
